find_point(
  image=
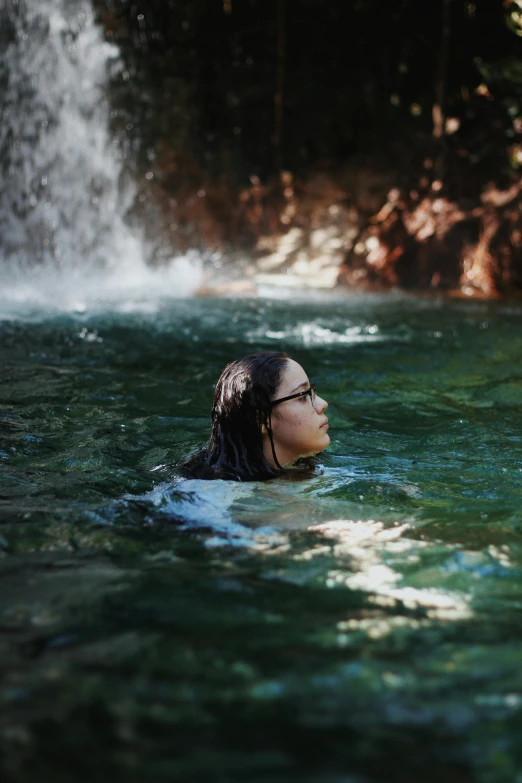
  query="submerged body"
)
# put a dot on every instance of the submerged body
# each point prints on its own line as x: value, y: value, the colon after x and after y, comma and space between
x: 266, y: 418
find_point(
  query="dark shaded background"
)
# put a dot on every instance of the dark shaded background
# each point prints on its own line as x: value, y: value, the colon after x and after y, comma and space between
x: 217, y: 93
x: 208, y: 78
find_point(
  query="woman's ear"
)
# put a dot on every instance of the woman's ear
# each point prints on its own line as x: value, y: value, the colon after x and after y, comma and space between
x: 265, y: 423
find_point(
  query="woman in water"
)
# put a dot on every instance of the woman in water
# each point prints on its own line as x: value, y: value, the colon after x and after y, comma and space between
x: 265, y: 418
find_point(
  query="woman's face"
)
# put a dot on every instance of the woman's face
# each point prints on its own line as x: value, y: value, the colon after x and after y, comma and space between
x: 299, y: 427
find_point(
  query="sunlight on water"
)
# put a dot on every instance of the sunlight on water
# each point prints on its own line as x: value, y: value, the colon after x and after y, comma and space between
x: 367, y: 544
x: 224, y: 511
x: 311, y: 333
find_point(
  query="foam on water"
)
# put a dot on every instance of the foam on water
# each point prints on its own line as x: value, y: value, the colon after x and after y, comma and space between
x: 130, y: 288
x: 207, y: 505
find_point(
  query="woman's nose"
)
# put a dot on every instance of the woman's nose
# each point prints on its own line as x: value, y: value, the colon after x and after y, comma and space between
x: 320, y: 404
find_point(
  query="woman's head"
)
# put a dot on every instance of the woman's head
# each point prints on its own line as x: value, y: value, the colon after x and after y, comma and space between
x: 256, y: 430
x: 299, y: 426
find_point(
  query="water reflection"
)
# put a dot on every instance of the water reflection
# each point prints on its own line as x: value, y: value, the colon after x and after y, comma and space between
x: 372, y: 549
x: 370, y: 555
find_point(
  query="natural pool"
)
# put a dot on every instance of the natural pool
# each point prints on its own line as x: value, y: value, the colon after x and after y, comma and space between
x: 363, y: 625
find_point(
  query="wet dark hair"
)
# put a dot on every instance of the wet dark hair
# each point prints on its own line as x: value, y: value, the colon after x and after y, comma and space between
x: 242, y: 405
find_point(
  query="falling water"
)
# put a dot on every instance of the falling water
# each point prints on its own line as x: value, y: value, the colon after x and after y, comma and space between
x: 64, y: 201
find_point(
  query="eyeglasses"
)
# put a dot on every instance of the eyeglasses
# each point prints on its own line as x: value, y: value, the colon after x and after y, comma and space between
x: 308, y: 393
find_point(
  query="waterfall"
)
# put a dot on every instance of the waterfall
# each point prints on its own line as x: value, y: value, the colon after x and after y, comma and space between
x: 64, y: 200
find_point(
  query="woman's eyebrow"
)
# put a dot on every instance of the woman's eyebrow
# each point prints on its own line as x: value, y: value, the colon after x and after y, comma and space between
x: 304, y: 383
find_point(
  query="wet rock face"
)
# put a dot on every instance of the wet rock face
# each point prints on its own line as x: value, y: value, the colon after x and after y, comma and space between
x: 308, y: 257
x: 317, y: 226
x: 356, y: 230
x: 416, y: 239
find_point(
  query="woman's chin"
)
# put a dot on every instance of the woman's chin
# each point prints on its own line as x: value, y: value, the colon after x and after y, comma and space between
x: 324, y: 445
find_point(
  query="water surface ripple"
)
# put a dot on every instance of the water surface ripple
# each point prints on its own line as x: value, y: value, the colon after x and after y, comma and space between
x: 362, y: 626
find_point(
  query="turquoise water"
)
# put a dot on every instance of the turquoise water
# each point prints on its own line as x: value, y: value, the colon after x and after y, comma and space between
x: 360, y: 626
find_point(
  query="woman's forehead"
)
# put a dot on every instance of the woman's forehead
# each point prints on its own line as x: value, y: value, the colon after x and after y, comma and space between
x: 292, y: 377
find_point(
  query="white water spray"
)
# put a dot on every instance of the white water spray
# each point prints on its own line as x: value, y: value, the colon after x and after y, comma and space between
x: 63, y: 234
